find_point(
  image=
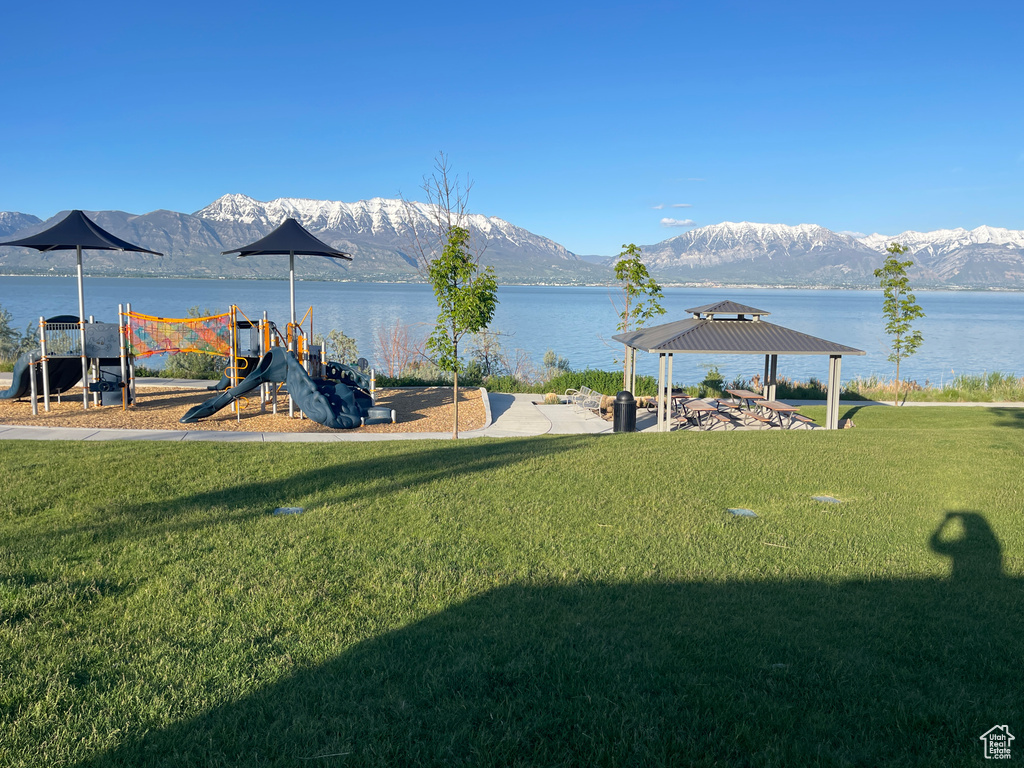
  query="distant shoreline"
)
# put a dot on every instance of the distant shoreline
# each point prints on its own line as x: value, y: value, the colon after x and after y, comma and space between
x: 702, y: 285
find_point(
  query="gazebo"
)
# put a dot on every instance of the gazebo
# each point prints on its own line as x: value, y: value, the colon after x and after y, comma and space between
x: 728, y: 328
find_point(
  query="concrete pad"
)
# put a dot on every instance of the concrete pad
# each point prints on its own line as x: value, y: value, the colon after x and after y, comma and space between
x: 740, y: 512
x: 566, y: 420
x: 514, y: 416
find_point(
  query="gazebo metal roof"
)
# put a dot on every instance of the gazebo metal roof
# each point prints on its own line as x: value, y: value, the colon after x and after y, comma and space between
x: 730, y: 337
x: 726, y: 308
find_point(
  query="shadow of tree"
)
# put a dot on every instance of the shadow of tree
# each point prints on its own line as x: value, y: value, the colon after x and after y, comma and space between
x: 867, y: 672
x: 1010, y: 417
x: 332, y: 479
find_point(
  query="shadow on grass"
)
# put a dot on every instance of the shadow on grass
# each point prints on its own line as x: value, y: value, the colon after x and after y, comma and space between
x: 849, y: 413
x: 331, y: 479
x: 872, y: 672
x: 1010, y: 417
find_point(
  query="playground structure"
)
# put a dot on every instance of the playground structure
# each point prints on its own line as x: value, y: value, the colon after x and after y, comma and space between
x: 259, y: 357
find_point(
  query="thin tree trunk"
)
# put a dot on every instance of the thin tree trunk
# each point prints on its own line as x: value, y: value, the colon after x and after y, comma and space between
x: 896, y: 400
x: 455, y: 389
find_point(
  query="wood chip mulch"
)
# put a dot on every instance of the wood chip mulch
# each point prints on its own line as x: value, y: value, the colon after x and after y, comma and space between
x: 418, y: 410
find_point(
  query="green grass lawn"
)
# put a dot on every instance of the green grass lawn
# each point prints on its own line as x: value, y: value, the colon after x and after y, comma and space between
x: 561, y: 601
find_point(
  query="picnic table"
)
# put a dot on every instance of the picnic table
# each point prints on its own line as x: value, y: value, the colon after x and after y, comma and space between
x: 701, y: 408
x: 781, y: 410
x: 745, y: 395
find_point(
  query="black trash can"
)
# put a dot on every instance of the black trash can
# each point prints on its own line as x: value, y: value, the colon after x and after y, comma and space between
x: 624, y: 413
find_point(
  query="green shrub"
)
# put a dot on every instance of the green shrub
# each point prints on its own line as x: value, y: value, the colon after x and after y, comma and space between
x: 606, y: 382
x: 194, y: 365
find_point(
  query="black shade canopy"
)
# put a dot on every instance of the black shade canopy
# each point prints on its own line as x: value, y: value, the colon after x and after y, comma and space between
x: 77, y: 230
x: 290, y: 237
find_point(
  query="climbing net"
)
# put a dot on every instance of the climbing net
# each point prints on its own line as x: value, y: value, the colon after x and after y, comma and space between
x: 146, y: 335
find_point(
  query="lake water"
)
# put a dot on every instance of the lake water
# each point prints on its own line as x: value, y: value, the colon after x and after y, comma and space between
x: 964, y: 332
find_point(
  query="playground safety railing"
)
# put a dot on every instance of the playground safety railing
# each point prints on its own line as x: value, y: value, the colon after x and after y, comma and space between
x: 62, y: 339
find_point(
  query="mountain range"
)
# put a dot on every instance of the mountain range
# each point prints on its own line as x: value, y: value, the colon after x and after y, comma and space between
x: 382, y: 235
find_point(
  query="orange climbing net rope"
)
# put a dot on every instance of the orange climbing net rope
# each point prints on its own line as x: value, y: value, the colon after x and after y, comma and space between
x: 147, y: 335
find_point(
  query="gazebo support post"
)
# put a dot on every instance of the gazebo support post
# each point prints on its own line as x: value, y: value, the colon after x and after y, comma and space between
x: 668, y: 395
x: 661, y: 385
x: 832, y: 402
x: 771, y: 366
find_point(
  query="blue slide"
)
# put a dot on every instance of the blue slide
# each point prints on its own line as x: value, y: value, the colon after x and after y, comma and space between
x: 331, y: 403
x: 65, y: 372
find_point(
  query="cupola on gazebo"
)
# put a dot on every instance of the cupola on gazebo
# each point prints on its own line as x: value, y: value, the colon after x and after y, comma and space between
x: 728, y: 328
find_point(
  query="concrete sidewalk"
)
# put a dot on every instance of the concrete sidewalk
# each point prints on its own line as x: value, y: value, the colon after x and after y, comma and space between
x: 506, y: 416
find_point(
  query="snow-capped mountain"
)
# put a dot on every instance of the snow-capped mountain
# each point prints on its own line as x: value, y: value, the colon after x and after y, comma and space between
x: 11, y: 222
x: 382, y: 235
x: 366, y: 227
x: 985, y: 256
x: 946, y: 240
x: 762, y: 253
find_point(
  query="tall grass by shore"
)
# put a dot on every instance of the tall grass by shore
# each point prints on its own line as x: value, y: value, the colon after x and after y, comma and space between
x: 989, y: 387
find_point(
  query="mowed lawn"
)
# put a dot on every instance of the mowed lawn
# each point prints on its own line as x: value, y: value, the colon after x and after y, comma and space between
x: 565, y: 600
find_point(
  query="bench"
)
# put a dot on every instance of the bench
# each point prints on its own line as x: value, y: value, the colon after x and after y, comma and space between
x: 798, y: 418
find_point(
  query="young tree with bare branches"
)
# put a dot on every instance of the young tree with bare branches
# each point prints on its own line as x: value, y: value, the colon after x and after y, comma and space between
x: 466, y: 293
x: 398, y: 346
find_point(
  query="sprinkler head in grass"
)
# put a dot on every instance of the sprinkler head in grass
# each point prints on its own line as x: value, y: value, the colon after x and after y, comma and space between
x: 288, y: 511
x: 738, y: 512
x: 826, y: 499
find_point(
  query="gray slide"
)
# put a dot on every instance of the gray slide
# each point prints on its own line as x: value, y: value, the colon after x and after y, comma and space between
x: 331, y: 403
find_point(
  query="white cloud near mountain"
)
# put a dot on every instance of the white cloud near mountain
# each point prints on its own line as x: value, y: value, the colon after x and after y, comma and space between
x: 682, y: 205
x: 666, y: 222
x: 658, y: 207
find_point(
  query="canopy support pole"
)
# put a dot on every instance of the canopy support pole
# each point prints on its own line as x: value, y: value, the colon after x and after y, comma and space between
x: 832, y: 403
x: 81, y: 331
x: 291, y: 289
x: 294, y: 331
x: 45, y: 364
x: 773, y: 378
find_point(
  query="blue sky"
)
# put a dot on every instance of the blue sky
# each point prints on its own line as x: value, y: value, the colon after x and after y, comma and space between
x: 574, y: 120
